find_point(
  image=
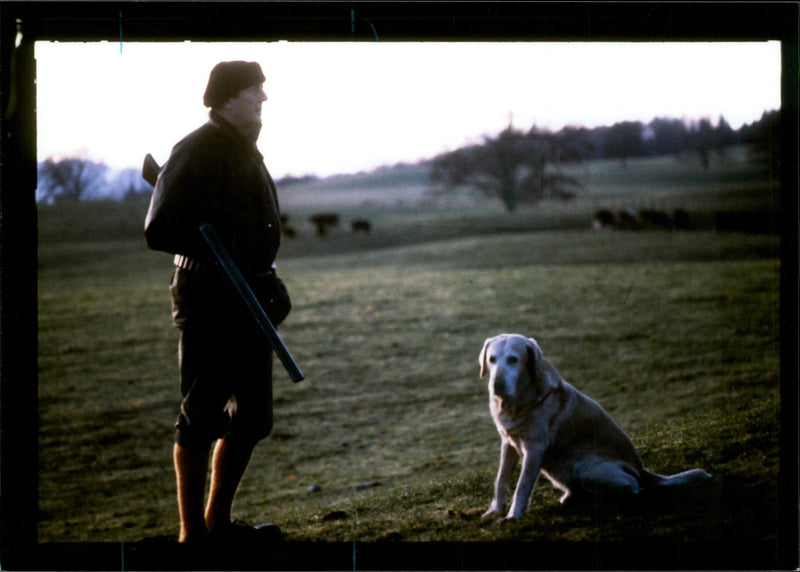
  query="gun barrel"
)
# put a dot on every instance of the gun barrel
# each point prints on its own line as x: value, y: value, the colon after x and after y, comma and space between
x: 246, y: 293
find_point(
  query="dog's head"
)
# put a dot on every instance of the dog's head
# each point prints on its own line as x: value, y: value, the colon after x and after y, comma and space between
x: 517, y: 369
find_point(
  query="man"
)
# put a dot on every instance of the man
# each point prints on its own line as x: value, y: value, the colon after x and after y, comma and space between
x: 216, y: 175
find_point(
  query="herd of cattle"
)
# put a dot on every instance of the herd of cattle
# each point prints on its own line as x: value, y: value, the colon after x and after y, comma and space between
x: 628, y: 219
x: 631, y: 219
x: 323, y: 223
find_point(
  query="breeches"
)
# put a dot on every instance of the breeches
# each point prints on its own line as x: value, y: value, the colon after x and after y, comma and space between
x: 226, y: 383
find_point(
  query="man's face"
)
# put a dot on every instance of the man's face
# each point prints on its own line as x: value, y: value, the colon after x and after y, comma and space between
x: 244, y: 110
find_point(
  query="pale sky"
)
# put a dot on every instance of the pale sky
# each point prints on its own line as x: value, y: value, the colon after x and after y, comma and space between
x: 344, y: 107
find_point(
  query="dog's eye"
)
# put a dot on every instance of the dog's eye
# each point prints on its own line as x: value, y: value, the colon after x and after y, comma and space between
x: 492, y: 359
x: 512, y: 360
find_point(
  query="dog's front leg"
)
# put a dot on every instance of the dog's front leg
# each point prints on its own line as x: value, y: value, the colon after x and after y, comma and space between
x: 531, y: 462
x: 508, y: 461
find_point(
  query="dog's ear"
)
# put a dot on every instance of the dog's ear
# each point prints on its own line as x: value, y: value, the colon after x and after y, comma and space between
x: 482, y: 356
x: 534, y: 353
x: 543, y: 374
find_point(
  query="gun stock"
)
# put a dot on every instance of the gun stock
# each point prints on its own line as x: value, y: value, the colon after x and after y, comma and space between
x: 150, y: 169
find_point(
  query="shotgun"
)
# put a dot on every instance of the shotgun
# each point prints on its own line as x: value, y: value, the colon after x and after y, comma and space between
x: 150, y: 171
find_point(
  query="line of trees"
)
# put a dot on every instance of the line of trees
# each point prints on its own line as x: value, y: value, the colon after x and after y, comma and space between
x: 76, y: 179
x: 525, y: 167
x: 515, y: 166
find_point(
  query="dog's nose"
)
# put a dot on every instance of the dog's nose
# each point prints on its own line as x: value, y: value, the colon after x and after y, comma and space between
x: 499, y: 386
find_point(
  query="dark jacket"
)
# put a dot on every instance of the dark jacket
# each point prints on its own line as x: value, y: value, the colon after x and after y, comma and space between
x: 215, y: 175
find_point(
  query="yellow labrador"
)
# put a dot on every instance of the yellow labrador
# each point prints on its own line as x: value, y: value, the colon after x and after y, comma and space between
x: 556, y: 430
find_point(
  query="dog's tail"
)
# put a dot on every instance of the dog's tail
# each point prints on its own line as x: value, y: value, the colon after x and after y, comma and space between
x: 648, y: 479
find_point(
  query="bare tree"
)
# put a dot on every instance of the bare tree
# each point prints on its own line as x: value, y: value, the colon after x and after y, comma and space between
x: 515, y: 167
x: 69, y: 179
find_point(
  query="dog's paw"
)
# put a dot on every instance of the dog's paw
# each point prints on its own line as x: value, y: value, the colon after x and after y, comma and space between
x: 493, y: 511
x: 509, y: 519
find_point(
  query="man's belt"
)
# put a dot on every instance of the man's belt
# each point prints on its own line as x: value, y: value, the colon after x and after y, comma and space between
x: 194, y: 265
x: 191, y: 264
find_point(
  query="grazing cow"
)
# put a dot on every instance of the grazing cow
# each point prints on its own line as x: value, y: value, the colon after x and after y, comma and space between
x: 286, y: 230
x: 681, y: 219
x: 361, y: 225
x: 323, y: 221
x: 628, y: 220
x: 603, y: 219
x: 655, y: 219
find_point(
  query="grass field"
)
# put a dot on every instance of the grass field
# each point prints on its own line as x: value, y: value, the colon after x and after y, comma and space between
x: 675, y: 333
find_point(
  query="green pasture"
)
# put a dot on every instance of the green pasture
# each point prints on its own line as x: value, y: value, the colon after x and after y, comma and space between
x: 675, y: 333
